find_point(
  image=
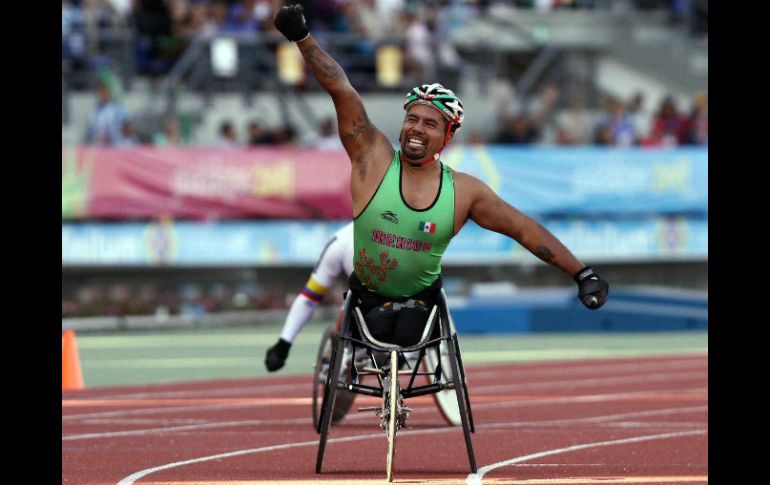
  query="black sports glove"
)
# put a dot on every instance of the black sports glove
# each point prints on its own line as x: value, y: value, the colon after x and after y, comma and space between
x: 276, y: 355
x: 291, y: 23
x: 592, y: 290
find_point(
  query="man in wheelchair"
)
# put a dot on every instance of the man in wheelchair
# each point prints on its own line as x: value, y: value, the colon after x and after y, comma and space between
x: 408, y: 205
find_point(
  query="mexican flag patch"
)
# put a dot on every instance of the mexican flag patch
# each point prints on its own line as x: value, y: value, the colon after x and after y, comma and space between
x: 427, y: 227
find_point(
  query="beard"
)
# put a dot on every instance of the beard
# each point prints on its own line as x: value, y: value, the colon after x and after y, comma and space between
x: 414, y: 154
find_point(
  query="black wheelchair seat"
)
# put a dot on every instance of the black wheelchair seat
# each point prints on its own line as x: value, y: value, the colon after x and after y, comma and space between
x: 378, y: 345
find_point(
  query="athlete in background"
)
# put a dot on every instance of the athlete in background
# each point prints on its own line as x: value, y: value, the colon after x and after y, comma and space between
x: 336, y: 257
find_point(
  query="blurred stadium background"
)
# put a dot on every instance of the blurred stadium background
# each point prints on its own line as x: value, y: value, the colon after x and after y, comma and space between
x: 202, y: 174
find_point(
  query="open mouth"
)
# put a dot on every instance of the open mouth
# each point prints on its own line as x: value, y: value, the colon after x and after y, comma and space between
x: 415, y: 142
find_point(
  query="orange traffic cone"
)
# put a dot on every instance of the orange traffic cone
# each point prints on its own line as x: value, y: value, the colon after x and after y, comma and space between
x: 71, y: 374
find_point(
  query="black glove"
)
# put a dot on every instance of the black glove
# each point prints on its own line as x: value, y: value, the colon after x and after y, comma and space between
x: 592, y: 290
x: 276, y: 355
x: 291, y: 23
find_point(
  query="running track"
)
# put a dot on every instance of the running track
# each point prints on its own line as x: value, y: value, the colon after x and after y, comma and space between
x: 608, y: 421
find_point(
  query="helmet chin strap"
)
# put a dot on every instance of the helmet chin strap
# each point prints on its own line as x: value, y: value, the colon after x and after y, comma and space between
x: 432, y: 159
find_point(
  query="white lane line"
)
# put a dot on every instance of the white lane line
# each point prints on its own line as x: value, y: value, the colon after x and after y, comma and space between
x: 695, y: 392
x: 568, y: 369
x: 142, y: 473
x: 473, y: 389
x: 162, y: 410
x: 139, y: 421
x: 517, y: 424
x: 493, y: 405
x: 256, y: 389
x: 598, y: 419
x: 591, y: 369
x: 189, y: 427
x: 571, y: 383
x: 475, y: 478
x: 129, y: 480
x: 652, y: 425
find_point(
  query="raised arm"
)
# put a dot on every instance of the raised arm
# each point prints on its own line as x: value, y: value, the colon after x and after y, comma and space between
x: 479, y: 203
x: 361, y: 139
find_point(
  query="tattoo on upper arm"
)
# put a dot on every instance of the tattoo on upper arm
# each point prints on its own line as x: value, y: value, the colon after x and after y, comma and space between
x: 544, y: 253
x: 323, y: 64
x: 359, y: 125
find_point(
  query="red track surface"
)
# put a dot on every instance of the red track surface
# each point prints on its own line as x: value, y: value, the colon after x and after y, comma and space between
x: 640, y: 421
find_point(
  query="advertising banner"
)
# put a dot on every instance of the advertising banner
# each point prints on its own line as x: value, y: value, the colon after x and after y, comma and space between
x: 205, y: 183
x: 288, y: 183
x: 274, y: 243
x: 590, y: 180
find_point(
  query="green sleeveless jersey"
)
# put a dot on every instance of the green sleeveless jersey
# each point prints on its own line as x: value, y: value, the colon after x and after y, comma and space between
x: 398, y: 249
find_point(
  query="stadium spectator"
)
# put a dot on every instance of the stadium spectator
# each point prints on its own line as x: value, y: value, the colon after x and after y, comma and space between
x: 573, y: 127
x: 285, y: 135
x: 419, y: 57
x: 520, y: 129
x: 195, y: 19
x: 152, y: 23
x: 321, y: 14
x: 637, y: 114
x: 128, y: 138
x: 678, y: 11
x: 696, y: 126
x: 516, y: 130
x: 242, y: 17
x: 120, y: 11
x: 264, y: 10
x: 603, y: 135
x: 258, y: 135
x: 228, y: 138
x: 171, y: 135
x: 371, y: 20
x: 620, y: 127
x: 105, y: 125
x: 445, y: 20
x: 327, y: 137
x: 73, y: 36
x: 217, y: 16
x: 668, y: 125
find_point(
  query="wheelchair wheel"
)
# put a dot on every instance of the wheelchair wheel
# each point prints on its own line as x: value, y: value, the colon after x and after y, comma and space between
x: 465, y: 384
x: 461, y: 396
x: 394, y: 411
x: 344, y: 400
x: 446, y: 400
x: 329, y: 395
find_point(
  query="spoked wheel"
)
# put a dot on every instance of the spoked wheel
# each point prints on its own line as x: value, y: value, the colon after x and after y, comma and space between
x: 330, y: 392
x: 344, y: 399
x: 465, y: 384
x: 461, y: 396
x: 394, y: 409
x: 446, y: 400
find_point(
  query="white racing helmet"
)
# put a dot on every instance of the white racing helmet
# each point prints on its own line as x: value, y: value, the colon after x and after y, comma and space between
x: 439, y: 97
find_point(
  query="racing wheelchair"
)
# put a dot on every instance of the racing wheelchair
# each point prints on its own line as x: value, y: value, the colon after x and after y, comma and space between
x: 348, y: 352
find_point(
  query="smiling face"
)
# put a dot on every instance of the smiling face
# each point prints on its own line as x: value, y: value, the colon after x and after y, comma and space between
x: 422, y: 134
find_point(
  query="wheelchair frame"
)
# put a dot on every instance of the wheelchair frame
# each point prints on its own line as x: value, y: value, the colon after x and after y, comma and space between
x: 392, y: 413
